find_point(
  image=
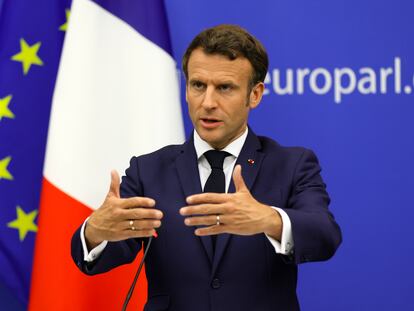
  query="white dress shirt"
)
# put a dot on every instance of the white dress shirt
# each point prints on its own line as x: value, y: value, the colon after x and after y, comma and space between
x: 285, y: 246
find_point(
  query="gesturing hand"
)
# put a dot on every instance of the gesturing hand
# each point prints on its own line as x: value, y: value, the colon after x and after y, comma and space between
x: 120, y: 219
x: 239, y: 212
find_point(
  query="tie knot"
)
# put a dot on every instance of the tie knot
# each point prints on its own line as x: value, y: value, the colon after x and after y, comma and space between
x: 216, y: 158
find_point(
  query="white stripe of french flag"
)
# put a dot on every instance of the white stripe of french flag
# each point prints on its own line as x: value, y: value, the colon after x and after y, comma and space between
x: 116, y: 96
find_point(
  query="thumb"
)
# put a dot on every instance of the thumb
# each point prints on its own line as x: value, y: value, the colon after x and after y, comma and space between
x: 114, y: 187
x: 238, y: 180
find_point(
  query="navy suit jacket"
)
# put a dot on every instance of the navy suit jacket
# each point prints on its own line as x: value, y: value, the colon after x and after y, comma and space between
x: 245, y: 273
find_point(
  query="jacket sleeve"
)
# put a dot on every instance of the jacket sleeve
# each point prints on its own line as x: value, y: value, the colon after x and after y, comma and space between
x: 115, y: 253
x: 315, y: 232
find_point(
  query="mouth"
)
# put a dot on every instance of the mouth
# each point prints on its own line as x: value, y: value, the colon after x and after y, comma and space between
x: 210, y: 123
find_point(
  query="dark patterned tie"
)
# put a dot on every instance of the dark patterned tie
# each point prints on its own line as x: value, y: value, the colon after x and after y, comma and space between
x: 216, y: 182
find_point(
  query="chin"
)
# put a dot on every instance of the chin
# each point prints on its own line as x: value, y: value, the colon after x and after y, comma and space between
x: 211, y: 138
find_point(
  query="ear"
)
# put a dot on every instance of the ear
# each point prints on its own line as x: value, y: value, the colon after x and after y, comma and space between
x: 186, y: 91
x: 256, y: 95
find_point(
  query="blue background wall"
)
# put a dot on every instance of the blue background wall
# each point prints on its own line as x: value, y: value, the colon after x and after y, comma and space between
x: 364, y: 142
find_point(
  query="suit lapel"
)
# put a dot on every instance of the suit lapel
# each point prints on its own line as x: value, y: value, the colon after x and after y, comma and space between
x: 250, y: 160
x: 189, y: 177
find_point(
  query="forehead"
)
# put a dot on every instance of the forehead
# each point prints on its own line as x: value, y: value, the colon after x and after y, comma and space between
x: 216, y: 66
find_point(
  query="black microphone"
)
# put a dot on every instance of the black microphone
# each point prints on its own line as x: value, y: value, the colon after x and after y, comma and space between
x: 131, y: 289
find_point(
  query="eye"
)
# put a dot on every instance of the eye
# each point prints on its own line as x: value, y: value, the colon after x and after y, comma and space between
x: 225, y: 87
x: 197, y: 85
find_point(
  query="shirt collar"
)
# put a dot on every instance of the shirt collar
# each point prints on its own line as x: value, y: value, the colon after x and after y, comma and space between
x: 234, y: 148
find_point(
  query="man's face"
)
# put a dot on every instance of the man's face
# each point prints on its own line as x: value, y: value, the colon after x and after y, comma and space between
x: 218, y: 96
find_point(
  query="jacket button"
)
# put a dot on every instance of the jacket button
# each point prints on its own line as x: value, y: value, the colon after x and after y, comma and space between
x: 215, y: 284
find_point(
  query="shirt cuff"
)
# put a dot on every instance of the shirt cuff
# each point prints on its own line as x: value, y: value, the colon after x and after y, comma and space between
x: 285, y: 246
x: 95, y: 252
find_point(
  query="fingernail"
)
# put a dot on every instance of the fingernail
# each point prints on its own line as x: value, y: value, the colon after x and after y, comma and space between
x: 187, y: 221
x: 188, y: 199
x: 182, y: 211
x: 155, y: 235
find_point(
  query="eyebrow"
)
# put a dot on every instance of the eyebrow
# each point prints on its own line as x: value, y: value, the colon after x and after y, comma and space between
x: 227, y: 82
x: 195, y: 80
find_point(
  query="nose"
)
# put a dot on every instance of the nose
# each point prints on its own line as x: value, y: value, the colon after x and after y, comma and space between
x: 209, y: 99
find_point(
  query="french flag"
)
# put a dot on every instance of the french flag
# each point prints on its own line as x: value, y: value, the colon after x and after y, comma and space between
x: 116, y: 95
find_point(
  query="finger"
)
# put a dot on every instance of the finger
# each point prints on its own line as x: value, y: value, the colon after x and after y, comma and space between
x: 115, y: 183
x: 238, y: 180
x: 135, y: 202
x: 130, y: 234
x: 212, y: 230
x: 209, y: 220
x: 141, y: 213
x: 208, y: 197
x: 203, y: 209
x: 140, y: 224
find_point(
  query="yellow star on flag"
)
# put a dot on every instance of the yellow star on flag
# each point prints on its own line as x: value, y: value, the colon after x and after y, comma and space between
x: 64, y: 27
x: 4, y: 108
x: 4, y: 173
x: 24, y: 222
x: 28, y: 55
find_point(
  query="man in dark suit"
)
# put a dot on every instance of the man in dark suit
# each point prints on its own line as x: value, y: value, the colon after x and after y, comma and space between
x: 236, y: 250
